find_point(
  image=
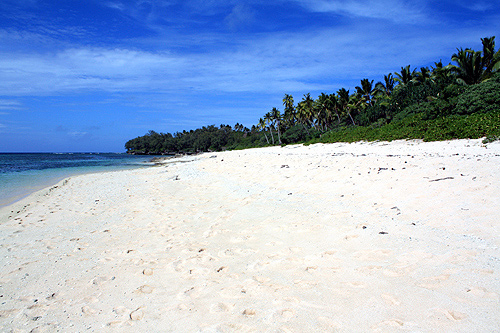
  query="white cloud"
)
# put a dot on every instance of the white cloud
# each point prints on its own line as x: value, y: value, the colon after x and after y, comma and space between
x: 241, y: 15
x: 394, y: 10
x: 115, y: 5
x: 7, y: 104
x: 320, y: 60
x: 479, y: 6
x: 77, y: 134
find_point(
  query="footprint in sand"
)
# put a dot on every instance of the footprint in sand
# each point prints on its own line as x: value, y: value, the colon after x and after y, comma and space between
x: 88, y: 310
x: 433, y: 282
x: 451, y: 315
x: 370, y: 255
x: 390, y: 299
x: 233, y: 252
x: 287, y: 314
x: 481, y: 292
x: 352, y: 236
x: 115, y: 323
x: 193, y: 292
x: 7, y: 313
x: 120, y: 310
x: 305, y: 284
x: 369, y: 269
x: 145, y: 289
x: 329, y: 324
x: 232, y: 293
x: 239, y: 239
x: 390, y: 273
x: 383, y: 326
x: 221, y: 307
x: 137, y: 314
x: 102, y: 279
x: 261, y: 279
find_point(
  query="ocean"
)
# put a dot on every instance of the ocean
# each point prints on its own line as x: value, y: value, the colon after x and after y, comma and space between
x: 22, y: 174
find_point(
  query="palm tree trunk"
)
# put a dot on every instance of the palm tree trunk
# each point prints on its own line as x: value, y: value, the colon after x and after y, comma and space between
x: 272, y: 136
x: 351, y: 118
x: 279, y: 136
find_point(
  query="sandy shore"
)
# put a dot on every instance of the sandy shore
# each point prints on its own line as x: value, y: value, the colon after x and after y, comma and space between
x: 365, y: 237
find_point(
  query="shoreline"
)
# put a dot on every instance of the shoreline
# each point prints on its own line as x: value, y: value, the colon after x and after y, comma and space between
x: 51, y: 176
x: 373, y: 236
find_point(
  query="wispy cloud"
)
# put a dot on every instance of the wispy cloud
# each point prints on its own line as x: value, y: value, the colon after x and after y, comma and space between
x: 479, y: 6
x: 7, y: 104
x: 277, y: 63
x: 240, y: 16
x: 394, y: 10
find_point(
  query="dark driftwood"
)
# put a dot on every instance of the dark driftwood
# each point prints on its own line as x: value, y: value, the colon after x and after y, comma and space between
x: 436, y: 180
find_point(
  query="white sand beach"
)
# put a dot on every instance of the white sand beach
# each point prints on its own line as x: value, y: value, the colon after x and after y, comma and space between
x: 362, y: 237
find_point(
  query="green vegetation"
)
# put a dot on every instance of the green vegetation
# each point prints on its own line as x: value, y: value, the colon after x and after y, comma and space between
x: 460, y: 100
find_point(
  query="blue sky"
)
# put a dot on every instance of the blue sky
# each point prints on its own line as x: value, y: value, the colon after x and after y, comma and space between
x: 90, y: 75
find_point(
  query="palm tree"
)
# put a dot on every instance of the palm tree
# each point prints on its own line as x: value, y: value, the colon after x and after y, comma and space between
x: 440, y: 72
x: 276, y: 116
x: 469, y: 68
x: 343, y: 103
x: 387, y: 87
x: 423, y: 75
x: 491, y: 59
x: 336, y: 106
x: 262, y: 126
x: 366, y: 90
x: 356, y: 103
x: 305, y: 110
x: 269, y: 118
x: 476, y: 66
x: 406, y: 76
x: 289, y: 115
x: 238, y: 127
x: 324, y: 107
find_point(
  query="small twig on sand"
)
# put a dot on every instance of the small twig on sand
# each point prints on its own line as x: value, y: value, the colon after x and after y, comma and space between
x: 436, y: 180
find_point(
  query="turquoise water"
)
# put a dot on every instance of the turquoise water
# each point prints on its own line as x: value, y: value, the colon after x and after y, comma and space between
x: 23, y: 174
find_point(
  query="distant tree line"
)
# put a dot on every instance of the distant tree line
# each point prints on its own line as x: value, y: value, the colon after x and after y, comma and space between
x: 409, y: 103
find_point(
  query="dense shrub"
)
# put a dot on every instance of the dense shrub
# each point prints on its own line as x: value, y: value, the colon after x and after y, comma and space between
x: 483, y: 97
x: 299, y: 133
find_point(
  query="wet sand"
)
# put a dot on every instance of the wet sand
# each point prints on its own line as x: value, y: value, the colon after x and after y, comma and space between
x: 371, y: 237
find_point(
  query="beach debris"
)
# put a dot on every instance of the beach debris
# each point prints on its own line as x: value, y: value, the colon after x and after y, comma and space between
x: 147, y: 271
x: 137, y: 314
x: 439, y: 179
x: 383, y: 233
x: 284, y: 166
x: 249, y: 312
x: 397, y: 210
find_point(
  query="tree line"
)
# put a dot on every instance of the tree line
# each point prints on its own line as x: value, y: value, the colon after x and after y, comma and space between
x: 392, y: 108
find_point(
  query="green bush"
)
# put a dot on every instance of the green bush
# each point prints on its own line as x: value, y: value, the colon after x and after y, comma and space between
x: 483, y: 97
x: 298, y: 133
x: 416, y: 127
